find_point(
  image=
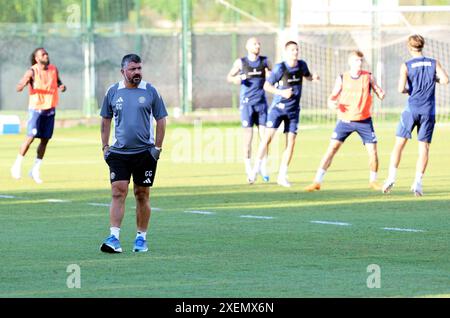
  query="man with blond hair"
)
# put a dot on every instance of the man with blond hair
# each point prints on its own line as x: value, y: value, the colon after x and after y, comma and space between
x: 352, y: 99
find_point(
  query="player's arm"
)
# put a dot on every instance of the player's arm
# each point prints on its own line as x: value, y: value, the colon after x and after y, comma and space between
x: 25, y: 80
x: 234, y: 75
x: 377, y: 89
x: 312, y: 77
x: 402, y: 80
x: 268, y: 69
x: 285, y: 93
x: 105, y: 131
x: 335, y: 93
x: 441, y: 74
x: 61, y: 86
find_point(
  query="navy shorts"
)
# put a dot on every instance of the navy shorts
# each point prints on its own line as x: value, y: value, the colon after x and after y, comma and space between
x: 364, y: 128
x: 290, y: 118
x: 424, y: 123
x: 253, y: 115
x: 41, y: 123
x: 141, y: 165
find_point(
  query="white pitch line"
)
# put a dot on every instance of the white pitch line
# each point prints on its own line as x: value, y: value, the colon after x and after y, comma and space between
x: 56, y: 200
x: 200, y: 212
x: 99, y: 204
x: 4, y: 196
x: 401, y: 230
x: 331, y: 223
x: 152, y: 208
x: 256, y: 217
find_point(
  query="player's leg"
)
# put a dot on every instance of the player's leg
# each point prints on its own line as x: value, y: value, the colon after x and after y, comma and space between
x: 45, y: 127
x: 32, y: 130
x: 247, y: 125
x: 404, y: 130
x: 367, y: 133
x: 274, y: 118
x: 373, y: 165
x: 340, y: 133
x: 143, y: 177
x: 262, y: 118
x: 120, y: 175
x: 424, y: 134
x: 325, y: 163
x: 286, y: 159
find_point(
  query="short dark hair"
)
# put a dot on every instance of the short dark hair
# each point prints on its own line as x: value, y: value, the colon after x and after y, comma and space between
x: 130, y: 58
x: 290, y: 43
x: 416, y: 42
x: 33, y: 55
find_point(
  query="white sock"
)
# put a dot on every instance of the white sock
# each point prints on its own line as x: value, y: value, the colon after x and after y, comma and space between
x: 257, y: 166
x: 373, y: 176
x: 19, y: 160
x: 142, y: 234
x: 115, y: 231
x: 37, y: 164
x: 419, y: 176
x: 263, y: 167
x: 248, y: 165
x: 282, y: 173
x: 392, y: 173
x: 319, y: 175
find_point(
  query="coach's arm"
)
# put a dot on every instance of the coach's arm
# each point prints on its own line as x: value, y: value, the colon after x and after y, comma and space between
x: 105, y: 131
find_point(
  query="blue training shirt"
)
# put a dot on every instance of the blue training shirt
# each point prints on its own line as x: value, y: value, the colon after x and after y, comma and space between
x: 288, y: 77
x: 421, y: 85
x: 133, y: 110
x: 252, y: 91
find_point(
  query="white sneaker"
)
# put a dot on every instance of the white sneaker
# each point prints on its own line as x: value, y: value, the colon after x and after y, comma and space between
x: 417, y: 189
x: 15, y: 171
x: 34, y: 174
x: 282, y: 181
x: 251, y: 178
x: 387, y: 186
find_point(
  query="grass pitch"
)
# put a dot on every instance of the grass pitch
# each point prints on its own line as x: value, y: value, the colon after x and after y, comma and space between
x: 283, y: 252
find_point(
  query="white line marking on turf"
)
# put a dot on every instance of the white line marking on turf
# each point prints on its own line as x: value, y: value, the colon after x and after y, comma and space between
x: 99, y: 204
x: 331, y: 223
x: 4, y: 196
x: 401, y: 230
x: 256, y: 217
x: 200, y: 212
x: 56, y: 200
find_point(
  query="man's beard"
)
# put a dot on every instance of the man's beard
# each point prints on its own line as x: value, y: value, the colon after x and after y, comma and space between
x: 136, y: 79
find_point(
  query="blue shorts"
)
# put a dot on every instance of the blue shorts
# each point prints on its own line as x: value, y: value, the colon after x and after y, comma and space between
x: 253, y: 115
x: 290, y: 118
x: 364, y: 128
x: 41, y: 123
x: 424, y: 123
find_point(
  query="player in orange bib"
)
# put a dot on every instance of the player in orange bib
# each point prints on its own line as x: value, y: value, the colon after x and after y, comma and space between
x: 43, y: 83
x: 352, y: 98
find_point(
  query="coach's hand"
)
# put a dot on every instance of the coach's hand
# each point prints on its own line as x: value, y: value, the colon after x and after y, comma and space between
x: 62, y: 87
x: 155, y: 152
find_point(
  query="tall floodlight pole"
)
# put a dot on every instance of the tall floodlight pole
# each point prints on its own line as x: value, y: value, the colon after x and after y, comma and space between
x: 186, y: 56
x: 89, y: 102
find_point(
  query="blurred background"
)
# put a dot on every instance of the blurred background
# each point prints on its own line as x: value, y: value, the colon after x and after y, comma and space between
x: 188, y: 47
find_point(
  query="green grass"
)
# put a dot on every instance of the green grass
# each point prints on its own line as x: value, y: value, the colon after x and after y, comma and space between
x: 224, y: 255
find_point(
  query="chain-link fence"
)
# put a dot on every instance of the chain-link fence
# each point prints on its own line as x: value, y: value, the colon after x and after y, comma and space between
x: 188, y: 50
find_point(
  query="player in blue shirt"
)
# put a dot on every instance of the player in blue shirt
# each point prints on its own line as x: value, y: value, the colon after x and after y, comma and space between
x: 418, y: 78
x: 251, y: 72
x: 288, y: 78
x: 133, y: 104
